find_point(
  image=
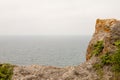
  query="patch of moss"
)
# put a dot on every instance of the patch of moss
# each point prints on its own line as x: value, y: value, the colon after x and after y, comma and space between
x: 6, y: 71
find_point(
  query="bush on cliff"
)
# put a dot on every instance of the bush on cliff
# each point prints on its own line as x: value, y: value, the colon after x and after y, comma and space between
x: 110, y: 59
x: 116, y: 57
x: 106, y: 59
x: 6, y: 71
x: 98, y: 47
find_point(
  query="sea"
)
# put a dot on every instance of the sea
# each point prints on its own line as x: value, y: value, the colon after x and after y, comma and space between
x: 43, y: 50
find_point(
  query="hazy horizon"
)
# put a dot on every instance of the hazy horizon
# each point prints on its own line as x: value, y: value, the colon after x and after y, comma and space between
x: 43, y: 50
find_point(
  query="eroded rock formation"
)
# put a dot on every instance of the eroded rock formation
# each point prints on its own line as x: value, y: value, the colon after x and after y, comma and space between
x: 106, y: 30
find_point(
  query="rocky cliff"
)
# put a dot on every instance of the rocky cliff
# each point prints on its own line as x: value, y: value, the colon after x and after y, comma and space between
x: 108, y: 31
x: 102, y: 53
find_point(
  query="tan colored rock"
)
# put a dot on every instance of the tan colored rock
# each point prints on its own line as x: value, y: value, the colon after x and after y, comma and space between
x: 106, y: 30
x: 83, y: 71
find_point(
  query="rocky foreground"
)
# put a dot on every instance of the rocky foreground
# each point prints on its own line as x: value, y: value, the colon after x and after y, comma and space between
x: 105, y: 43
x: 84, y: 71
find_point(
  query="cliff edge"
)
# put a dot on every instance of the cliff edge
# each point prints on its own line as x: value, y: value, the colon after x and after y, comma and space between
x: 108, y: 31
x: 102, y: 59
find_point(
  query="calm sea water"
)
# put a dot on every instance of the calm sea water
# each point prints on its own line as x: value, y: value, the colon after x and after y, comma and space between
x: 43, y: 50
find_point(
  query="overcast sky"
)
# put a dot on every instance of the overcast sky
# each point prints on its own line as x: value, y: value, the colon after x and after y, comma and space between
x: 54, y: 17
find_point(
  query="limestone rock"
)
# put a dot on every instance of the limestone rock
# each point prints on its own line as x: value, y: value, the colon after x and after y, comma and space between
x: 106, y: 30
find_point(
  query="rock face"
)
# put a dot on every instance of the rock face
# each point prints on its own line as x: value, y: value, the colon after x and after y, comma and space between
x: 106, y: 30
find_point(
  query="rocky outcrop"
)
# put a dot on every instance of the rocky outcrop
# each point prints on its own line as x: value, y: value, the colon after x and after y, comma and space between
x: 107, y: 31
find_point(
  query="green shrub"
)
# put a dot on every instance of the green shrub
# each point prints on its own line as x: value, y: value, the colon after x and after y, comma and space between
x: 106, y: 59
x: 117, y: 43
x: 97, y: 66
x: 6, y: 71
x: 98, y: 47
x: 116, y: 62
x: 116, y: 57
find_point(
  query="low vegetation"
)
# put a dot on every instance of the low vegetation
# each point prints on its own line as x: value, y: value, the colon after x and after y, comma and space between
x: 108, y: 59
x: 97, y: 48
x: 116, y: 57
x: 6, y: 71
x: 98, y: 67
